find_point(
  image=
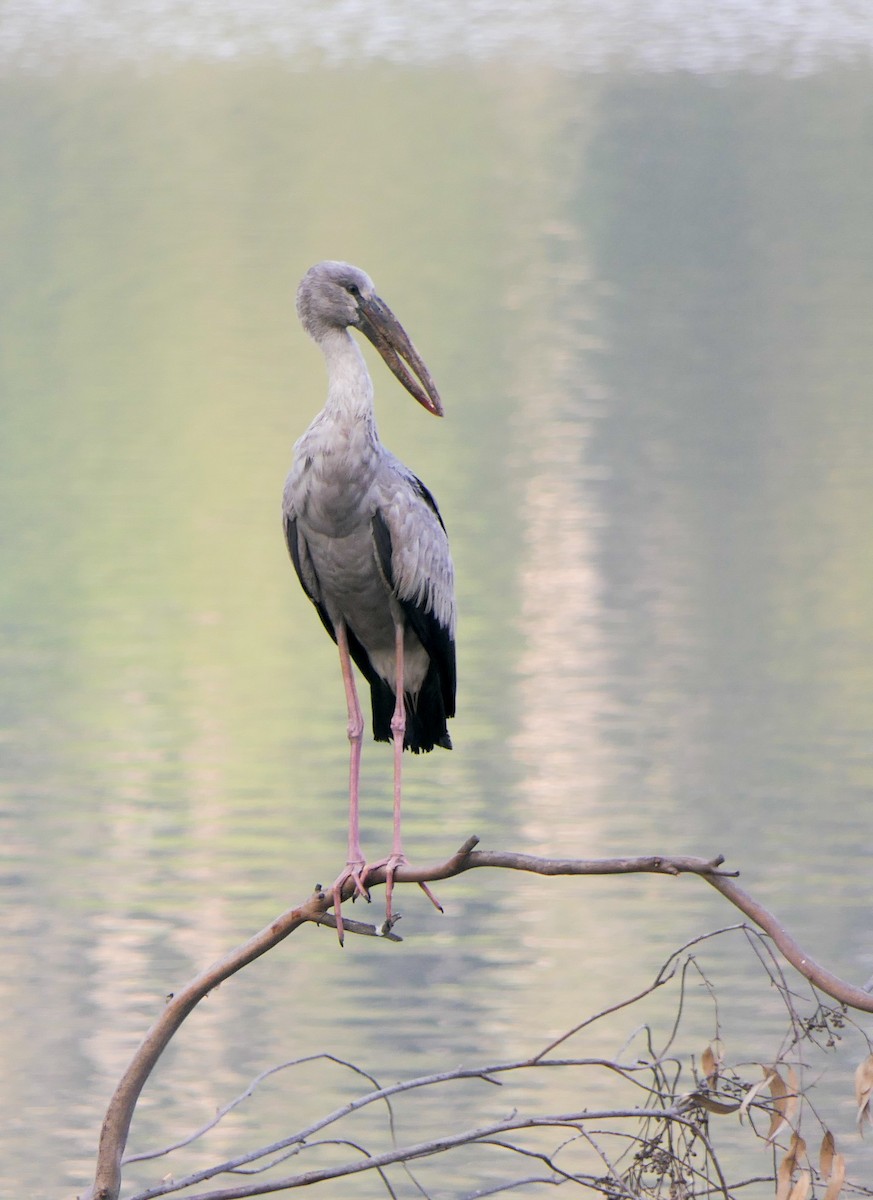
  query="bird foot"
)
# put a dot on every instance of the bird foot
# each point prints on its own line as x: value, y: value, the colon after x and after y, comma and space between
x: 356, y: 873
x: 391, y: 864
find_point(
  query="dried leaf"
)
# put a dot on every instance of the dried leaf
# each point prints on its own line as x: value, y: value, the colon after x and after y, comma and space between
x: 754, y: 1091
x: 793, y: 1099
x: 779, y: 1094
x: 837, y: 1179
x: 783, y: 1181
x: 720, y: 1107
x: 786, y: 1101
x: 826, y: 1154
x: 710, y: 1061
x: 863, y: 1090
x: 784, y: 1174
x: 801, y: 1188
x: 708, y: 1064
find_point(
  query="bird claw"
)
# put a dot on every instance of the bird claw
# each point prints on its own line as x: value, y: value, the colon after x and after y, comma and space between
x: 431, y: 896
x: 358, y: 878
x: 357, y: 873
x: 391, y: 864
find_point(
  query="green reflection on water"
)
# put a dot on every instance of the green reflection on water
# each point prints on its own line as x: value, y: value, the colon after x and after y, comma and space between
x: 645, y: 304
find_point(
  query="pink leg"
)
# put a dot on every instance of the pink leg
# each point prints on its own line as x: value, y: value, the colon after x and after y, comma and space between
x: 398, y: 730
x: 355, y: 863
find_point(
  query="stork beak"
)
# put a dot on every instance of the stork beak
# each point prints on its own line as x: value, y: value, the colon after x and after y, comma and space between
x: 378, y: 323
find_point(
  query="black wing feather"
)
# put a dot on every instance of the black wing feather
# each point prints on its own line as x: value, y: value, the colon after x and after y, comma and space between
x: 428, y: 497
x: 426, y: 721
x: 433, y: 635
x: 307, y: 577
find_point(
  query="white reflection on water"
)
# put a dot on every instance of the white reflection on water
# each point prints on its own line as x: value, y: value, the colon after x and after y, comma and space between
x: 794, y: 36
x: 561, y: 668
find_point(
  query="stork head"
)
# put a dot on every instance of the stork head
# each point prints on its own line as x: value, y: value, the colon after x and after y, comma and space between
x: 336, y: 295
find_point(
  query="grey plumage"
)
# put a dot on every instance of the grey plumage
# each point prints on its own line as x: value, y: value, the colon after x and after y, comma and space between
x: 364, y: 534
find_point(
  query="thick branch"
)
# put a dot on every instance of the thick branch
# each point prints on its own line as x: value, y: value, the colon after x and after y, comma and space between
x: 116, y: 1125
x: 832, y: 985
x: 113, y: 1138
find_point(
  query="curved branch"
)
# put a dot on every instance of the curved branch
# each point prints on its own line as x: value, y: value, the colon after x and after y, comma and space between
x: 826, y: 981
x: 116, y: 1125
x: 832, y: 985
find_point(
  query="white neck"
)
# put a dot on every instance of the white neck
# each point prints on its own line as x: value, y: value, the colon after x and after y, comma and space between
x: 349, y: 386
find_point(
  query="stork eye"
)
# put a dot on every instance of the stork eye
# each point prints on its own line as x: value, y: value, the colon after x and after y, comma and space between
x: 353, y: 289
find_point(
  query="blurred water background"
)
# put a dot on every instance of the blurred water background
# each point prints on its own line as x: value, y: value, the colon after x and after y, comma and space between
x: 633, y: 243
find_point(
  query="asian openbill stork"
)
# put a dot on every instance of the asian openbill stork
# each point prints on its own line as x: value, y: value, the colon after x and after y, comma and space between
x: 370, y: 548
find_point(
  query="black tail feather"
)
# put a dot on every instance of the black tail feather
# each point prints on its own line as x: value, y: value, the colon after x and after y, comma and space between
x: 425, y: 722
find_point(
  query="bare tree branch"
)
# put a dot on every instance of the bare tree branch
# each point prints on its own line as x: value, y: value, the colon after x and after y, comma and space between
x: 116, y: 1126
x: 300, y: 1137
x: 434, y: 1147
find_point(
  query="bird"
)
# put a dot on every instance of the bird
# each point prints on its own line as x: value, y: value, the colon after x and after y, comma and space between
x: 370, y: 549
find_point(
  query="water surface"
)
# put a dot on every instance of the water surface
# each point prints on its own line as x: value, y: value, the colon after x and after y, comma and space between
x: 644, y: 290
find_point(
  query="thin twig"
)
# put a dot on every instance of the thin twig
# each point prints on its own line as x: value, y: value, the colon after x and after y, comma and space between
x: 246, y: 1094
x: 431, y: 1148
x: 302, y: 1136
